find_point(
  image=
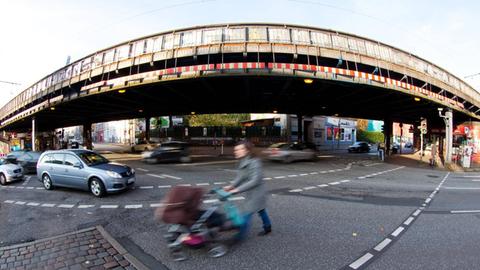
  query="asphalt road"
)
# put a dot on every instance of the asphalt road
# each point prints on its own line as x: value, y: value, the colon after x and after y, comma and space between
x: 336, y: 213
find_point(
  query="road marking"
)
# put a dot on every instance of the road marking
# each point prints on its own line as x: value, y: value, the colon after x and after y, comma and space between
x: 361, y: 177
x: 308, y: 188
x: 27, y: 179
x: 292, y: 175
x: 166, y: 186
x: 295, y: 190
x: 331, y: 171
x: 210, y: 201
x: 155, y: 175
x: 356, y: 264
x: 428, y: 200
x: 476, y: 180
x: 464, y: 211
x: 156, y: 205
x: 416, y: 212
x: 20, y: 202
x: 334, y: 183
x: 65, y: 205
x: 322, y: 185
x: 109, y: 206
x: 39, y: 188
x: 185, y: 185
x: 84, y: 206
x: 171, y: 176
x: 48, y: 205
x: 383, y: 244
x: 29, y: 188
x: 142, y: 169
x: 372, y: 164
x: 133, y: 206
x: 471, y: 176
x: 267, y: 178
x: 203, y: 184
x: 398, y: 231
x: 33, y: 204
x: 236, y: 198
x: 206, y: 163
x: 20, y: 187
x: 408, y: 221
x: 460, y: 188
x: 322, y: 172
x: 9, y: 201
x: 220, y: 183
x: 279, y: 177
x: 146, y: 187
x: 312, y: 173
x: 303, y: 174
x: 344, y: 181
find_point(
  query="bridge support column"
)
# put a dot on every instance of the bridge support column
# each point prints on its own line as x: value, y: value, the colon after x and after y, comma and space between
x: 299, y: 128
x: 387, y: 132
x: 448, y: 119
x: 147, y: 128
x: 34, y: 147
x: 87, y: 136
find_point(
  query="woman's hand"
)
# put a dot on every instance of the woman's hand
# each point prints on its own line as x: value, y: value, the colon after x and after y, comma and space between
x: 228, y: 188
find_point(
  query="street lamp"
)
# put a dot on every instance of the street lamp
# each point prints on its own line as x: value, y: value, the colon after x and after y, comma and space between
x: 448, y: 119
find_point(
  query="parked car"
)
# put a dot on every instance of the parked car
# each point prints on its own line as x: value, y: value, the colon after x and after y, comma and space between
x: 9, y: 172
x: 143, y: 146
x: 289, y: 152
x: 359, y: 147
x: 83, y: 169
x: 26, y: 159
x: 168, y: 151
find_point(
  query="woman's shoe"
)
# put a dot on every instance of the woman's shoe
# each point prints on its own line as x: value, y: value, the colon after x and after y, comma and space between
x: 265, y: 231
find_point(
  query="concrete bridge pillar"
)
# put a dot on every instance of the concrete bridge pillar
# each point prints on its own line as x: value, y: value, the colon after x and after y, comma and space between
x: 87, y: 136
x: 34, y: 147
x: 147, y: 128
x: 387, y: 132
x: 299, y: 128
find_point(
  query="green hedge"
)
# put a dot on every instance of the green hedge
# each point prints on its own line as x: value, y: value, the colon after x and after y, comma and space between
x: 370, y: 136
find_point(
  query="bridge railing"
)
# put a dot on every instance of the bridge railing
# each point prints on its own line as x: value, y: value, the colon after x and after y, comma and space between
x: 202, y: 39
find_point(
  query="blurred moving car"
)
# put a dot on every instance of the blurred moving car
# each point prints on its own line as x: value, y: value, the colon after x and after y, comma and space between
x: 359, y: 147
x: 9, y: 172
x: 289, y: 152
x: 83, y: 169
x: 168, y: 151
x: 26, y: 159
x: 143, y: 146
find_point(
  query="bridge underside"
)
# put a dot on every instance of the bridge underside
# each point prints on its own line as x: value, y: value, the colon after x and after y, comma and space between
x: 239, y: 94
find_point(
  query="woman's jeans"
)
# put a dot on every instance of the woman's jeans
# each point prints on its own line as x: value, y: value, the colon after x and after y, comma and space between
x: 242, y: 234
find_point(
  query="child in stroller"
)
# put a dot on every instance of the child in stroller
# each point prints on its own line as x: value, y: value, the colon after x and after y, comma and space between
x: 190, y: 226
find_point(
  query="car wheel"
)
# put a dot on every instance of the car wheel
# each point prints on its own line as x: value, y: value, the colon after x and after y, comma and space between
x: 3, y: 180
x: 47, y: 182
x: 97, y: 188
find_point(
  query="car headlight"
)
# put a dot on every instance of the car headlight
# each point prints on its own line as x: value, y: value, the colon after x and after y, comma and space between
x: 132, y: 171
x: 113, y: 174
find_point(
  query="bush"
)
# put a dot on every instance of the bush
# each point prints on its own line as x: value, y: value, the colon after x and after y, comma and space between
x: 370, y: 136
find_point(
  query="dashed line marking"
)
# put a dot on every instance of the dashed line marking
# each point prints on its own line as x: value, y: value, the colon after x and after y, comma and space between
x: 334, y: 183
x: 203, y: 184
x: 20, y: 203
x: 344, y: 181
x: 291, y: 175
x: 185, y: 185
x: 408, y: 221
x: 398, y: 231
x: 313, y: 173
x: 153, y: 205
x: 267, y: 178
x: 107, y: 206
x: 220, y: 183
x: 362, y: 260
x: 146, y: 187
x: 309, y: 188
x: 322, y: 185
x: 29, y: 188
x: 295, y: 190
x: 9, y: 201
x: 39, y: 188
x: 48, y: 205
x: 382, y: 244
x: 210, y: 201
x: 171, y: 176
x: 166, y: 186
x: 33, y: 204
x: 428, y: 200
x: 155, y: 175
x: 85, y: 206
x: 20, y: 187
x: 133, y: 206
x: 303, y: 174
x: 464, y: 211
x: 416, y: 212
x: 279, y: 177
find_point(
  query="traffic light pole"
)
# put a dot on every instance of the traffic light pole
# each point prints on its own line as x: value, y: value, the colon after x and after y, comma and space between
x: 448, y: 119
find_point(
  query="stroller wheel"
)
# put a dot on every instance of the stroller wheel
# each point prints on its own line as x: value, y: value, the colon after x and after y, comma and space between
x: 178, y: 256
x: 217, y: 251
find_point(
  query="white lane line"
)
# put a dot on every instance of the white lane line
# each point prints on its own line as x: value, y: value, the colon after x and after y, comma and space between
x: 133, y: 206
x: 331, y: 170
x: 142, y: 169
x: 48, y: 205
x: 166, y: 186
x: 323, y: 172
x: 382, y: 244
x: 292, y: 175
x: 9, y: 201
x: 210, y: 201
x: 408, y: 221
x: 428, y: 200
x: 39, y: 188
x: 267, y: 178
x: 65, y: 205
x: 220, y: 183
x: 344, y: 181
x: 279, y: 177
x: 308, y: 188
x: 20, y: 187
x: 334, y: 183
x: 303, y: 174
x: 416, y: 213
x: 171, y: 176
x: 109, y: 206
x: 464, y: 211
x: 84, y: 206
x: 476, y: 180
x: 203, y: 184
x: 146, y: 187
x: 313, y: 173
x: 155, y: 175
x: 295, y: 190
x: 398, y: 231
x: 361, y: 177
x: 206, y: 163
x: 156, y: 205
x: 29, y: 188
x: 185, y: 185
x: 236, y: 198
x: 33, y: 204
x: 362, y: 260
x: 471, y: 176
x: 20, y: 203
x: 322, y: 185
x: 461, y: 188
x: 373, y: 164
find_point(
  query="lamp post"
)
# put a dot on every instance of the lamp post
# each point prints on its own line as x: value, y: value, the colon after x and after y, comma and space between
x: 448, y: 119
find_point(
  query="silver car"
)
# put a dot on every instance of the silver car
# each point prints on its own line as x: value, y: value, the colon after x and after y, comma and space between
x: 83, y: 169
x: 9, y: 172
x: 289, y: 152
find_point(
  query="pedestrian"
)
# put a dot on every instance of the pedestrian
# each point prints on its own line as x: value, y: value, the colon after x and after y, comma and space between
x: 249, y: 181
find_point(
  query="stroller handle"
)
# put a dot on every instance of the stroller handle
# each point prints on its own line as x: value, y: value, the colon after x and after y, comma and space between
x: 221, y: 193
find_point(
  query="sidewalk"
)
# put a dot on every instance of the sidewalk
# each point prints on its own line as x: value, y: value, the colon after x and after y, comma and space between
x: 91, y: 248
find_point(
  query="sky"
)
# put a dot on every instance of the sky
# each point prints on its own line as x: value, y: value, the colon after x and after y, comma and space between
x: 37, y: 36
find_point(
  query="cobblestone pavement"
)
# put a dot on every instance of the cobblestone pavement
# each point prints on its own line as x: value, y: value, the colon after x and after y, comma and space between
x: 85, y: 249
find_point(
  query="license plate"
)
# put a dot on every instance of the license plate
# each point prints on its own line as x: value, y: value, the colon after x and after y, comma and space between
x: 131, y: 180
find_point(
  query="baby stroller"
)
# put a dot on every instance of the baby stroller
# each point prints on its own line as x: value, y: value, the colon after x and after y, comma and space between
x: 190, y: 226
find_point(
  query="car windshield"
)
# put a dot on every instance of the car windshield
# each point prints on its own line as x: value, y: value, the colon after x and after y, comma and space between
x: 92, y: 159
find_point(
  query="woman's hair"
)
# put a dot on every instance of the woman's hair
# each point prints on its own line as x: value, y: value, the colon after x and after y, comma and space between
x: 248, y: 146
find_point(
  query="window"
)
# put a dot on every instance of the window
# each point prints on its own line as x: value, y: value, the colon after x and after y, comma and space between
x: 71, y: 160
x: 92, y: 159
x: 57, y: 158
